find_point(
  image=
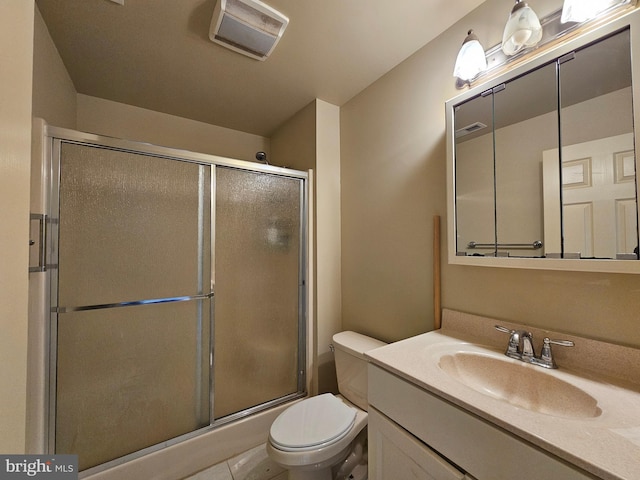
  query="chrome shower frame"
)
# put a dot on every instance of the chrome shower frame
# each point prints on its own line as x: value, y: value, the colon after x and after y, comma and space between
x: 53, y: 137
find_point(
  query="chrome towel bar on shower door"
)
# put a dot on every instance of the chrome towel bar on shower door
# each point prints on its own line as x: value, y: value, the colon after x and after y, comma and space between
x: 133, y: 303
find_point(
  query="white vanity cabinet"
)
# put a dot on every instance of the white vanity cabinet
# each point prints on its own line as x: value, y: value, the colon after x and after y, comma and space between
x: 414, y: 434
x: 396, y: 454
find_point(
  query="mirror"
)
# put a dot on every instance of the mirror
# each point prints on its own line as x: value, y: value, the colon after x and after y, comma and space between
x: 543, y: 162
x: 599, y: 218
x: 474, y: 175
x: 498, y: 181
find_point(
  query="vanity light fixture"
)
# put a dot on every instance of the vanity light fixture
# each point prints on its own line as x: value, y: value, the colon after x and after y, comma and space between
x: 522, y: 30
x: 471, y: 60
x: 584, y: 10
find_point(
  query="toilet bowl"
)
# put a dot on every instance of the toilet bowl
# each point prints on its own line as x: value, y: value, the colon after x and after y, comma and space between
x: 324, y: 437
x: 315, y: 435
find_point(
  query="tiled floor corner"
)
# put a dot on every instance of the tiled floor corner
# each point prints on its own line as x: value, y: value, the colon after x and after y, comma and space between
x: 254, y: 464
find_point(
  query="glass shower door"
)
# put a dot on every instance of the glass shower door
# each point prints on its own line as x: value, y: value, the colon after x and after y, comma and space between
x: 258, y: 286
x: 132, y: 312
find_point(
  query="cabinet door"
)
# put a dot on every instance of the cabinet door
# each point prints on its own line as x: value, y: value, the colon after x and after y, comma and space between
x: 598, y: 177
x: 526, y: 124
x: 395, y: 454
x: 473, y: 444
x: 474, y: 176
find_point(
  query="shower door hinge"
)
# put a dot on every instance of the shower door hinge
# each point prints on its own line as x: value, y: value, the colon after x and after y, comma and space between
x: 38, y: 243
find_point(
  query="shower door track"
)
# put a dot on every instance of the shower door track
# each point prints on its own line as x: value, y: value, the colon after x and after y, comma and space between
x: 112, y: 143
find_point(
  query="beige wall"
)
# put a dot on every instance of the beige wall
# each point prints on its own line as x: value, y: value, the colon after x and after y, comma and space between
x: 54, y: 96
x: 393, y: 176
x: 104, y: 117
x: 293, y: 144
x: 329, y: 312
x: 16, y: 38
x: 393, y: 182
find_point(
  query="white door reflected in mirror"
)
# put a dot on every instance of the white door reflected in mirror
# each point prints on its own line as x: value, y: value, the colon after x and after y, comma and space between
x: 598, y: 199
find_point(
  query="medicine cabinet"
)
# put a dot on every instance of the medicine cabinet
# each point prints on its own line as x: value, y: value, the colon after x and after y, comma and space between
x: 541, y: 159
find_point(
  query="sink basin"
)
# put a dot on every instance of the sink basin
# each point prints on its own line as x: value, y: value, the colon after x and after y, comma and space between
x: 525, y: 386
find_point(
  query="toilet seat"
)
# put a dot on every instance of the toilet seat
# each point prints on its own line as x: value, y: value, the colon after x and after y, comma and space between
x: 312, y: 423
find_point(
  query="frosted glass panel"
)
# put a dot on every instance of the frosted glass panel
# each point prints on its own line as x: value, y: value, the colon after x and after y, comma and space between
x: 257, y: 275
x: 133, y: 359
x: 129, y: 378
x: 129, y: 226
x: 132, y: 228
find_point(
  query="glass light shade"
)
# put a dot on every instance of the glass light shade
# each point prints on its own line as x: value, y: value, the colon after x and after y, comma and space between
x: 583, y: 10
x: 522, y: 30
x: 471, y: 60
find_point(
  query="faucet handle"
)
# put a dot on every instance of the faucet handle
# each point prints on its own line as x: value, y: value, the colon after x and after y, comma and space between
x: 513, y: 349
x: 564, y: 343
x: 503, y: 329
x: 546, y: 356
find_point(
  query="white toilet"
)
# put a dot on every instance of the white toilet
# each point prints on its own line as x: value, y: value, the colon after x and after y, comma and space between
x: 324, y: 437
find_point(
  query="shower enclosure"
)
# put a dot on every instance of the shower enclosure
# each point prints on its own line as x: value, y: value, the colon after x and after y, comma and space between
x: 177, y: 294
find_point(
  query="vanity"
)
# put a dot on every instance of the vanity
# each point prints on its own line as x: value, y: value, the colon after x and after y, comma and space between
x: 449, y: 404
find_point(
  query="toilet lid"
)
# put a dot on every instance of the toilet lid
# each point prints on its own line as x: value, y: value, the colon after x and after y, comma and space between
x: 312, y: 423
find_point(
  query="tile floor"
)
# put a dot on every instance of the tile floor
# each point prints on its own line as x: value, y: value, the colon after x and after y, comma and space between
x: 252, y: 465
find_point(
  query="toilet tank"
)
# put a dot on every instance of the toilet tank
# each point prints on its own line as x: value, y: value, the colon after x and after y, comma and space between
x: 351, y: 365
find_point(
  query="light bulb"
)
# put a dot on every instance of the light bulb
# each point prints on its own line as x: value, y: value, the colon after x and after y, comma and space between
x: 522, y: 30
x: 471, y: 60
x: 583, y: 10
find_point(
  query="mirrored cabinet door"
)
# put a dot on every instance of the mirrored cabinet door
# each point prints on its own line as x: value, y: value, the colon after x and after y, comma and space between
x: 500, y: 137
x: 526, y: 124
x: 599, y: 208
x: 474, y: 177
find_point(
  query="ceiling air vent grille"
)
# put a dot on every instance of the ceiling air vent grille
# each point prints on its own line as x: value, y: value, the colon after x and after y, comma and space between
x: 474, y: 127
x: 249, y: 27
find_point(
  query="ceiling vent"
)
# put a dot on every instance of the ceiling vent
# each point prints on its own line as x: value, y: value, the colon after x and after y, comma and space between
x: 474, y: 127
x: 247, y: 26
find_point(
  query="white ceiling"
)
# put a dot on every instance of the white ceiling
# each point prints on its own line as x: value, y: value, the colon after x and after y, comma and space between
x: 156, y: 54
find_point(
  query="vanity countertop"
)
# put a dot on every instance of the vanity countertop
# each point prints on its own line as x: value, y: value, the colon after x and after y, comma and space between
x: 607, y: 445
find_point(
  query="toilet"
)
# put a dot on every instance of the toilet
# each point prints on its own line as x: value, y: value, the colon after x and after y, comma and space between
x: 324, y: 437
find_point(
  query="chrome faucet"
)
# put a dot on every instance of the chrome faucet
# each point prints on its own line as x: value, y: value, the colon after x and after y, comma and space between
x: 521, y: 347
x: 520, y: 342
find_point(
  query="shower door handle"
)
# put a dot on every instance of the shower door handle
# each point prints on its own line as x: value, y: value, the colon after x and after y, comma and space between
x: 39, y: 243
